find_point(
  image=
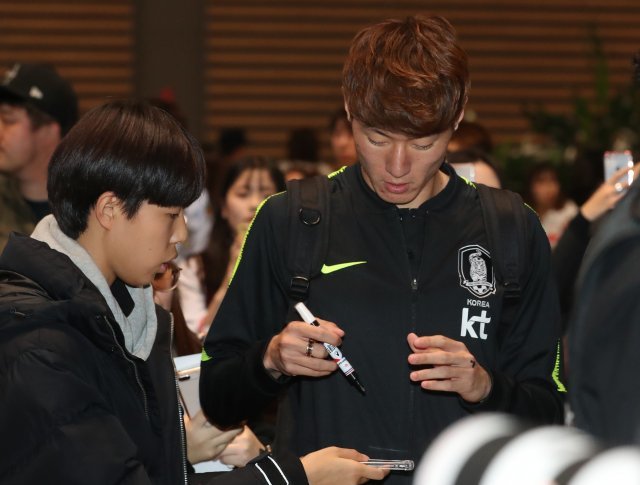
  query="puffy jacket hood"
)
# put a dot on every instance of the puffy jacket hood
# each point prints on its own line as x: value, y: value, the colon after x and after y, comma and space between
x: 43, y: 284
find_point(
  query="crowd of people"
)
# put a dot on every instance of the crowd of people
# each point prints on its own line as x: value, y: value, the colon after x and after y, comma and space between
x: 123, y: 246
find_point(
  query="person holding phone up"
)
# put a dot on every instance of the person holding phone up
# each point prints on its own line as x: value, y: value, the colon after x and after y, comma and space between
x: 568, y: 254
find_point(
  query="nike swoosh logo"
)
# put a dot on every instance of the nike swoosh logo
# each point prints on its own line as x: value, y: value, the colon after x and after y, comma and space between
x: 326, y: 269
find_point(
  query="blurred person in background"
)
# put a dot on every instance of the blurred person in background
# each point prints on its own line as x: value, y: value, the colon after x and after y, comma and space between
x: 470, y: 135
x: 469, y: 153
x: 476, y: 166
x: 343, y: 146
x: 242, y: 187
x: 545, y: 195
x: 232, y: 144
x: 571, y: 247
x: 303, y: 158
x: 37, y: 108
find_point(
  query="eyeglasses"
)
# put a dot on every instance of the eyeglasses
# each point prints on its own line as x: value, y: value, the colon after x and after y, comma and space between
x: 168, y: 280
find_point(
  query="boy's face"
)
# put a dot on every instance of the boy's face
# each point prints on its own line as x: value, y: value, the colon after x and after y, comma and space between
x: 18, y: 140
x: 138, y: 248
x: 399, y: 169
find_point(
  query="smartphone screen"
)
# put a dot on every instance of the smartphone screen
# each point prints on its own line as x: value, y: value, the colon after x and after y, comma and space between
x: 615, y: 160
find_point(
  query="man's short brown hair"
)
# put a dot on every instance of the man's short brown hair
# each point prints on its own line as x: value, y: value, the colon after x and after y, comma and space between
x: 406, y: 76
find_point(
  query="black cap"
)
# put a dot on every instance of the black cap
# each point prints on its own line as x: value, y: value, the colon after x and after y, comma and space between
x: 41, y: 86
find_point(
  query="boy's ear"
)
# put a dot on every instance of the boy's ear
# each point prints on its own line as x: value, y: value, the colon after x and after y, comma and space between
x: 107, y: 208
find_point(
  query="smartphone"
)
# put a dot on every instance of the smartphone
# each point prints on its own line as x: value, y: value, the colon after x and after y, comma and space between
x: 398, y: 465
x: 466, y: 170
x: 615, y: 160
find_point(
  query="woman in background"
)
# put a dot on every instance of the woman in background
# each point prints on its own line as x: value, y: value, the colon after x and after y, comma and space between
x: 243, y: 186
x: 545, y: 195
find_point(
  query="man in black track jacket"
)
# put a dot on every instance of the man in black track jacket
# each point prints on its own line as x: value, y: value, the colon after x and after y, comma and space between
x: 87, y: 386
x: 407, y: 288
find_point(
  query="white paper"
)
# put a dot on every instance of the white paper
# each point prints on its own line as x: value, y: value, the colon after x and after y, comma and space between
x: 189, y: 365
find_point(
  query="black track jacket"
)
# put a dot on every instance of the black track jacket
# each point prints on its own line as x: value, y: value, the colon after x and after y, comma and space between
x: 392, y: 291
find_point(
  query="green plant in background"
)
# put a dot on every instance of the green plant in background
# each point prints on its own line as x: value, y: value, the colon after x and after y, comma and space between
x: 576, y: 141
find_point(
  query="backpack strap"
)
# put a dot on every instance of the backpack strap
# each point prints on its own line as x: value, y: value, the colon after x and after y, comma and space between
x: 309, y: 215
x: 505, y: 221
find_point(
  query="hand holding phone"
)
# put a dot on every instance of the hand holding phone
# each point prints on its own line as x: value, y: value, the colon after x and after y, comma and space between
x: 617, y: 160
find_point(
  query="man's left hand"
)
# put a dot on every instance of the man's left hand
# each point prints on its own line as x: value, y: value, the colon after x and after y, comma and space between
x: 452, y: 368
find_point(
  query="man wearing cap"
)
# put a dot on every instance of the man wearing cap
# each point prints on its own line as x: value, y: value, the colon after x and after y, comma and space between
x: 37, y: 108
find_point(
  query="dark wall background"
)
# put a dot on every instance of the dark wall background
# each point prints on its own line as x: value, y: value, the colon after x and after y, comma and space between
x: 272, y: 66
x: 169, y: 52
x: 90, y: 42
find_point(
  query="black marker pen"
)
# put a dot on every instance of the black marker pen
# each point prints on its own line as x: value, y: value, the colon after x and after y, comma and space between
x: 335, y: 353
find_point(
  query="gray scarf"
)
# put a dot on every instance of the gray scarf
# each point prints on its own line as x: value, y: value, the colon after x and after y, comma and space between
x: 140, y: 327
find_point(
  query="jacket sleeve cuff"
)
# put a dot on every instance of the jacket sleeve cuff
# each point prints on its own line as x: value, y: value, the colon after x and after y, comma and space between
x: 283, y: 469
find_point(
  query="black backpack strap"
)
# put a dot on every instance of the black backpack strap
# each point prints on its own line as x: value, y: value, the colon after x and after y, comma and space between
x: 505, y: 220
x: 309, y: 215
x: 504, y: 217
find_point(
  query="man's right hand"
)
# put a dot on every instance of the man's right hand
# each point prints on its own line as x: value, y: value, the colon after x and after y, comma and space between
x: 287, y: 352
x: 339, y: 466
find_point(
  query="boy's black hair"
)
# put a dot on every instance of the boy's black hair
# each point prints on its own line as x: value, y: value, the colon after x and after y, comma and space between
x: 138, y: 151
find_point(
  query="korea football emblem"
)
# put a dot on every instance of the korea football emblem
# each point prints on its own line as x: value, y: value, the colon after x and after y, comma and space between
x: 476, y: 271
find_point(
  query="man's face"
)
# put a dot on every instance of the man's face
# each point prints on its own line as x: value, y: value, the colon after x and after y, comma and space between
x: 401, y: 170
x: 18, y: 140
x: 142, y: 246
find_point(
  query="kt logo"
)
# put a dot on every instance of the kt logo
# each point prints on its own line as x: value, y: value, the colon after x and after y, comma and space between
x: 467, y: 324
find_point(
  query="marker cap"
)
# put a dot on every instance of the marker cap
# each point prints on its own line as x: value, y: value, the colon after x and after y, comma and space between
x: 304, y: 312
